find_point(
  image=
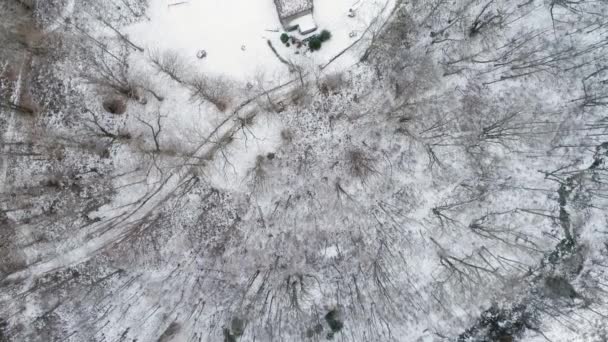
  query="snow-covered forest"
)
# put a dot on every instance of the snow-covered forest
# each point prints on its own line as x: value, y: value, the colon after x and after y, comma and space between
x: 433, y: 170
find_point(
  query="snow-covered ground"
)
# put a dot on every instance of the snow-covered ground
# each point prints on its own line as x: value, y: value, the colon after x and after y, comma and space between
x: 398, y: 199
x: 234, y: 33
x: 235, y: 36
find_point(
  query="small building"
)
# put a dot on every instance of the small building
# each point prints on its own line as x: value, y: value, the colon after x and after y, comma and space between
x: 296, y: 15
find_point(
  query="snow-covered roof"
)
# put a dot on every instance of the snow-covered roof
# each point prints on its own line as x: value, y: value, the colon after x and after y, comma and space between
x: 305, y: 24
x: 287, y: 8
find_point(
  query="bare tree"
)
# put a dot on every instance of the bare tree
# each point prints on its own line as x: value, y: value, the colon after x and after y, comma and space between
x: 169, y: 63
x: 215, y: 90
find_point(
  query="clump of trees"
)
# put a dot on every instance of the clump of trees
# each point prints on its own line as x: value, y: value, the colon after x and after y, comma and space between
x: 288, y: 40
x: 316, y: 42
x: 284, y: 38
x: 501, y: 324
x: 335, y: 321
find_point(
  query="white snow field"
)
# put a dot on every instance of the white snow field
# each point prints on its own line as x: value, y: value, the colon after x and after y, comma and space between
x: 234, y: 33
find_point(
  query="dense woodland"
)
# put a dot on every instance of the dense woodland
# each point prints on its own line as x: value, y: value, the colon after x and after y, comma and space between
x: 450, y: 186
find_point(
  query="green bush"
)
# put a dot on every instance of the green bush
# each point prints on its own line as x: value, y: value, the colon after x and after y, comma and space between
x: 315, y: 43
x: 325, y: 35
x: 284, y: 38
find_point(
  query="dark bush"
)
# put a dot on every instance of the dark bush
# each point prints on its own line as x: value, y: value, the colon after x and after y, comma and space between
x: 315, y: 43
x: 324, y: 36
x: 334, y: 320
x: 284, y: 38
x: 237, y: 326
